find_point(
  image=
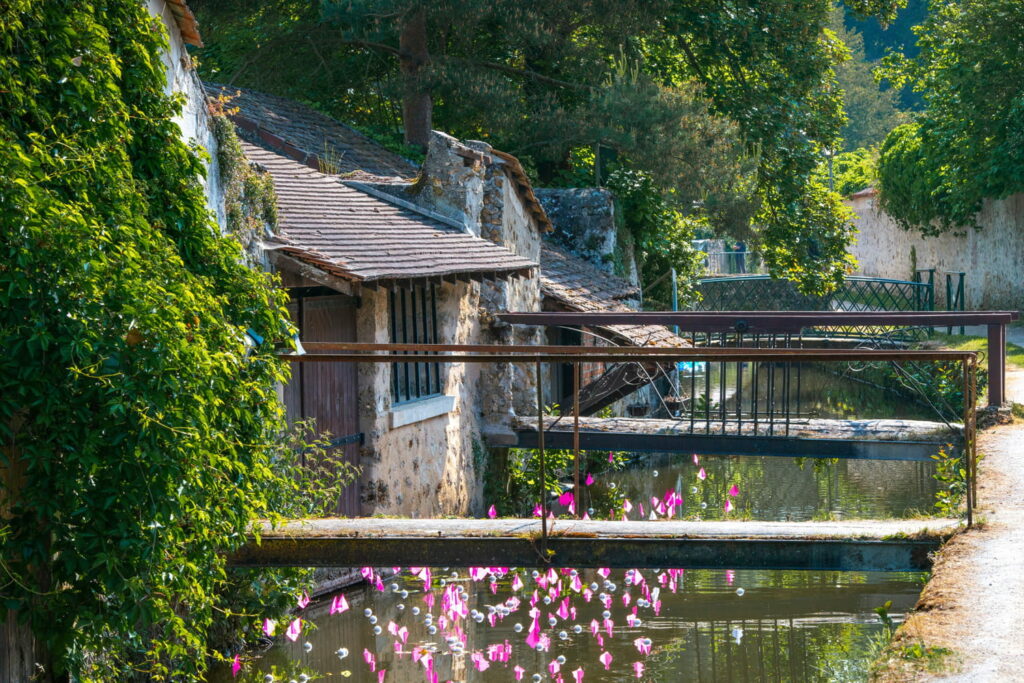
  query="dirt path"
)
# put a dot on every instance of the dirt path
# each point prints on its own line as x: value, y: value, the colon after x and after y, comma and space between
x: 974, y: 603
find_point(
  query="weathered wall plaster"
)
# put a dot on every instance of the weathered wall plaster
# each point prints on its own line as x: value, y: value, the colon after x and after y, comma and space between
x: 992, y: 257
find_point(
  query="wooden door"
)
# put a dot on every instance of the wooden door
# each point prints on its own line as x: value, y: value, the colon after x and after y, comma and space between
x: 327, y: 392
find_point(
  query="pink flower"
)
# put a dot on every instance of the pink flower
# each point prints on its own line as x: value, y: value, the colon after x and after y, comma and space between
x: 604, y: 572
x: 554, y: 667
x: 606, y: 659
x: 611, y: 457
x: 702, y: 475
x: 519, y: 672
x: 236, y: 666
x: 339, y: 604
x: 538, y: 511
x: 565, y: 498
x: 577, y: 676
x: 626, y: 505
x: 380, y: 675
x: 696, y: 460
x: 370, y: 659
x: 268, y: 626
x: 638, y: 667
x: 517, y: 583
x: 734, y: 491
x: 728, y: 505
x: 294, y: 629
x: 642, y: 647
x: 492, y: 512
x: 303, y: 601
x: 589, y: 480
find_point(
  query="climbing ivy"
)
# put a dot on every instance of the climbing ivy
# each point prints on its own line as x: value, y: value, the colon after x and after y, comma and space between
x: 139, y: 433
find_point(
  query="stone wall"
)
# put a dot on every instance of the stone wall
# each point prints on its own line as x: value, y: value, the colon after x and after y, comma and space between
x: 428, y: 468
x: 584, y: 221
x: 992, y: 257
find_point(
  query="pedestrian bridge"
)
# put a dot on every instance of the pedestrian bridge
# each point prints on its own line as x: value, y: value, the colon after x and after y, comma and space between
x: 868, y: 545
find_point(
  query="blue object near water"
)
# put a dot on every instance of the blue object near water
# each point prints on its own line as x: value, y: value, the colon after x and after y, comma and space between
x: 690, y: 366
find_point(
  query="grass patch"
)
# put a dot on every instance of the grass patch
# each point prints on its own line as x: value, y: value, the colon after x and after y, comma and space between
x: 958, y: 342
x: 899, y: 660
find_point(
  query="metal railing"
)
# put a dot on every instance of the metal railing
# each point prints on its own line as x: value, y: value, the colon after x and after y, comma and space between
x: 856, y: 294
x: 770, y: 359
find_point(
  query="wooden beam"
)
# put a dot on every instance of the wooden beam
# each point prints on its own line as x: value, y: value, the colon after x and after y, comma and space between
x: 308, y: 273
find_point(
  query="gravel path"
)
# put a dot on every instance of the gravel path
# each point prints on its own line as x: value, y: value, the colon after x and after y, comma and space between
x: 974, y: 603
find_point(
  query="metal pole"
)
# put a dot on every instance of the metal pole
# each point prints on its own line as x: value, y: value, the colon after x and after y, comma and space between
x: 543, y: 466
x: 577, y: 498
x: 968, y: 469
x: 996, y: 365
x: 675, y: 328
x: 974, y: 429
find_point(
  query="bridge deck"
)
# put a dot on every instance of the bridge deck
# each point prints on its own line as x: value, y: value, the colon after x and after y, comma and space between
x: 806, y: 437
x: 865, y: 545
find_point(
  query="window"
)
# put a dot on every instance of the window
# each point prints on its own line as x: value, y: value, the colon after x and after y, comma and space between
x: 414, y: 321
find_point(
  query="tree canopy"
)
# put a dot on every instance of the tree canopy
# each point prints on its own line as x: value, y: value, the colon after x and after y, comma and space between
x: 727, y: 105
x: 967, y: 144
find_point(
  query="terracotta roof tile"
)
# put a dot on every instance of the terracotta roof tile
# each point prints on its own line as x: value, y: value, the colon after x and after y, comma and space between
x: 368, y: 238
x: 186, y: 21
x: 578, y: 286
x: 306, y: 135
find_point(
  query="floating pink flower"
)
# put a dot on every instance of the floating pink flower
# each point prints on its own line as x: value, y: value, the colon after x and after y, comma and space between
x: 554, y: 667
x: 236, y: 666
x: 492, y: 512
x: 696, y: 460
x: 577, y: 676
x: 589, y: 480
x: 611, y: 457
x: 268, y: 626
x: 638, y: 667
x: 604, y: 572
x: 626, y: 505
x: 519, y: 671
x: 538, y: 511
x: 702, y: 475
x: 728, y: 505
x: 339, y: 604
x: 303, y: 601
x: 370, y: 659
x: 566, y: 498
x: 642, y: 645
x: 294, y: 629
x: 606, y: 659
x: 380, y: 675
x: 517, y: 583
x: 734, y: 491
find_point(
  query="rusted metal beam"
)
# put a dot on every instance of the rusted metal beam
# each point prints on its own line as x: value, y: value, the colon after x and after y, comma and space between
x: 696, y: 321
x: 996, y: 365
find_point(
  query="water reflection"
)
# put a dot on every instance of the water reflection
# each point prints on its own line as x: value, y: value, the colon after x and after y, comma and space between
x: 777, y: 488
x: 787, y: 626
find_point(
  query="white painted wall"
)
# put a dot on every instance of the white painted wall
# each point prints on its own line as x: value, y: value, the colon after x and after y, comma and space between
x: 992, y: 257
x: 193, y: 120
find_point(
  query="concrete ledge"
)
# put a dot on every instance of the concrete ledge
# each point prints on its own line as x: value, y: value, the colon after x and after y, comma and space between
x: 417, y: 411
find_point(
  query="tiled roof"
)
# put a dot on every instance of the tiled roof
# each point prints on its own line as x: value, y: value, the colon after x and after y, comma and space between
x: 186, y: 21
x: 371, y: 238
x: 308, y: 136
x: 575, y: 285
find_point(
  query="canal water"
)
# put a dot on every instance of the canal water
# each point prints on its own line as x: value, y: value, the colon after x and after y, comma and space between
x: 708, y: 626
x: 786, y: 626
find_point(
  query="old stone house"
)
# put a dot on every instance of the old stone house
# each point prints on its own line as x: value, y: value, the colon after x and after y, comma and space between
x: 376, y: 249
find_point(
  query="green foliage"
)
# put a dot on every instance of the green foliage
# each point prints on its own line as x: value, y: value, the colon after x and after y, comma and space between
x: 140, y: 437
x: 968, y: 143
x: 661, y: 234
x: 871, y: 112
x: 951, y: 474
x: 851, y: 171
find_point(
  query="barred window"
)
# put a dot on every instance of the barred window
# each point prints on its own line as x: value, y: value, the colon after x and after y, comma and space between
x: 414, y: 321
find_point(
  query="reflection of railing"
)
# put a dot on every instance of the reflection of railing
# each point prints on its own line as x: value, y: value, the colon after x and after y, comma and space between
x: 728, y: 262
x: 955, y: 298
x: 769, y: 358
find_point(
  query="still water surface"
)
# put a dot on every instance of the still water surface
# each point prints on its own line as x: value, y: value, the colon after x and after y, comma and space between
x: 787, y: 626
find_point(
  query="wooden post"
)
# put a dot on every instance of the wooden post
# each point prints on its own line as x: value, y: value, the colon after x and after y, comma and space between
x: 18, y: 648
x: 996, y: 365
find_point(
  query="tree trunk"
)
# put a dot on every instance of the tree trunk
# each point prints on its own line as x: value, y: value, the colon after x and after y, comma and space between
x: 417, y: 105
x: 19, y: 650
